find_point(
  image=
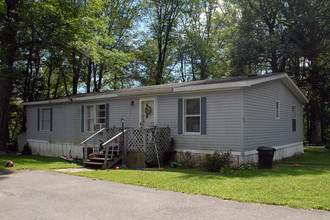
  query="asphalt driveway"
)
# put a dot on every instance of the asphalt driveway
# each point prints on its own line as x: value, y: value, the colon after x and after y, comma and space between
x: 49, y: 195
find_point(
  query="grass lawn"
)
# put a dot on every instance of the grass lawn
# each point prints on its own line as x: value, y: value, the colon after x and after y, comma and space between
x: 304, y: 187
x: 311, y: 156
x: 34, y: 162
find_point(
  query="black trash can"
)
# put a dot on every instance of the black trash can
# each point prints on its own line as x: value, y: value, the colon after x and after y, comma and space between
x: 265, y: 157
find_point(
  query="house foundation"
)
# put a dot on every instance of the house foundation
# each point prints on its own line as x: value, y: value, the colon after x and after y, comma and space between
x: 197, y: 156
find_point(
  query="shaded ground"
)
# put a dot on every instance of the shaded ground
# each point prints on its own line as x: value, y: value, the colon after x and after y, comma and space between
x: 48, y: 195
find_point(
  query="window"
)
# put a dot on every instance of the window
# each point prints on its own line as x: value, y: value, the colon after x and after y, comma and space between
x: 294, y: 118
x: 277, y: 109
x: 100, y: 114
x: 95, y: 117
x: 192, y: 116
x: 89, y: 118
x: 45, y: 119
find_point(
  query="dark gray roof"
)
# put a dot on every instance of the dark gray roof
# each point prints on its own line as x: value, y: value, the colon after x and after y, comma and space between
x: 186, y: 86
x: 177, y: 85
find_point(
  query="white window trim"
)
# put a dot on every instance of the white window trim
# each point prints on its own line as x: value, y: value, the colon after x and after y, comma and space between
x: 184, y: 116
x: 277, y: 109
x: 40, y: 119
x: 94, y: 117
x: 155, y: 109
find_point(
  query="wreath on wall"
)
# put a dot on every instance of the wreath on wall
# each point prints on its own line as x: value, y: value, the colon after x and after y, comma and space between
x: 147, y: 110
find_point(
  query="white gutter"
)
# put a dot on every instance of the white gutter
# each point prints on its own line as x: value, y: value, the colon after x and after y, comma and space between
x: 214, y: 86
x: 73, y: 99
x: 146, y: 92
x: 93, y: 97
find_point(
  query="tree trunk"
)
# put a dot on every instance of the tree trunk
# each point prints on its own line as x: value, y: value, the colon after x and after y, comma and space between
x: 57, y: 84
x: 183, y: 76
x: 8, y: 54
x: 99, y: 85
x: 76, y: 72
x: 5, y: 94
x: 49, y: 80
x: 89, y: 76
x: 95, y: 77
x: 316, y: 111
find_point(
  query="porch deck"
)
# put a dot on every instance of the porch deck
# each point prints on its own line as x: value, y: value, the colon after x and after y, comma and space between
x: 150, y: 141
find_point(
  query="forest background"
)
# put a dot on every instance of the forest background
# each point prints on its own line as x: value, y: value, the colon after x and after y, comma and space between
x: 54, y: 48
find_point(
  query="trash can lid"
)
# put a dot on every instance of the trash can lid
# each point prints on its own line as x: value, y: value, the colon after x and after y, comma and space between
x: 266, y: 149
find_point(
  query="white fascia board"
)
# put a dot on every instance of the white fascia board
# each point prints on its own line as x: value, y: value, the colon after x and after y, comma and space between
x: 266, y: 79
x: 46, y: 102
x: 93, y: 97
x: 228, y: 85
x: 287, y: 81
x: 66, y: 100
x: 146, y: 93
x: 214, y: 86
x: 247, y: 83
x: 295, y: 89
x: 36, y: 103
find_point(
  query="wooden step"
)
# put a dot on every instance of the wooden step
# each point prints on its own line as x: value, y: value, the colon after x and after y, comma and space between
x: 98, y: 158
x: 93, y: 163
x: 103, y: 155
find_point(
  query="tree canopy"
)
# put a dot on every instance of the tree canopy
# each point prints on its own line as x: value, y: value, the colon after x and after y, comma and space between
x: 54, y: 48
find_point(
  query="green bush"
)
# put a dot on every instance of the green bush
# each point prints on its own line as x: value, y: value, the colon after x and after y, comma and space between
x: 247, y: 165
x: 187, y: 160
x: 226, y: 169
x: 218, y: 162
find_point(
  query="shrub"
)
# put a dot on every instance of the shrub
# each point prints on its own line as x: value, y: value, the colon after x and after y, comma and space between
x: 226, y: 169
x: 218, y: 161
x: 247, y: 165
x: 187, y: 160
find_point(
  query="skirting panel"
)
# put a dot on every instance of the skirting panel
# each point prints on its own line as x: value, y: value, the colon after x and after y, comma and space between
x: 54, y: 149
x: 281, y: 152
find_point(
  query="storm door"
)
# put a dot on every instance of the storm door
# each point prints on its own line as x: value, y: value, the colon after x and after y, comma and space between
x: 147, y: 113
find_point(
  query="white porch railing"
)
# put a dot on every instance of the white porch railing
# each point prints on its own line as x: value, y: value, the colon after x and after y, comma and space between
x: 106, y: 146
x: 154, y: 142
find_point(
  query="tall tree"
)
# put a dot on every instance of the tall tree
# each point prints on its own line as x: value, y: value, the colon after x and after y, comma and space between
x: 203, y: 38
x: 308, y: 27
x: 9, y: 22
x: 290, y: 36
x: 165, y: 14
x: 260, y: 43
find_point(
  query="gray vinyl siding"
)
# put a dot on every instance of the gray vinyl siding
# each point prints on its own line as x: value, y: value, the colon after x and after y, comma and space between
x: 67, y: 120
x: 261, y: 128
x: 223, y: 121
x: 234, y: 118
x: 66, y: 124
x: 123, y: 108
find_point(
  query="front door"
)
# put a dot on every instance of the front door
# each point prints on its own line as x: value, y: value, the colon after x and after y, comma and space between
x: 148, y: 113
